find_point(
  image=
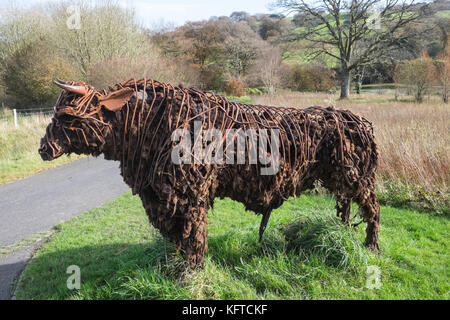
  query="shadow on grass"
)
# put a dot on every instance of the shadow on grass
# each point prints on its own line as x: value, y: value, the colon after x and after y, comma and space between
x: 147, y: 267
x: 101, y: 266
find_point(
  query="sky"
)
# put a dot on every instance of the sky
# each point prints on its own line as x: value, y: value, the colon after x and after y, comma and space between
x: 177, y: 12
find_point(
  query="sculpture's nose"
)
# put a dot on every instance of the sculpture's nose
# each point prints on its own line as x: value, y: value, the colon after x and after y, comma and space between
x: 43, y: 152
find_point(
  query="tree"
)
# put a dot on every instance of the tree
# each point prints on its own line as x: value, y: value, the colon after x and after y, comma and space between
x: 239, y: 15
x: 418, y: 75
x: 29, y: 74
x: 273, y: 27
x: 207, y: 41
x: 107, y: 31
x: 242, y: 46
x: 222, y: 49
x: 443, y: 72
x: 443, y: 26
x: 347, y: 24
x: 267, y: 68
x: 39, y: 44
x: 19, y: 28
x: 204, y: 43
x: 359, y: 77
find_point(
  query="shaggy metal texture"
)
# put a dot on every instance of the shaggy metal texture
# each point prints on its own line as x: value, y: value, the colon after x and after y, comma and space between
x: 133, y: 123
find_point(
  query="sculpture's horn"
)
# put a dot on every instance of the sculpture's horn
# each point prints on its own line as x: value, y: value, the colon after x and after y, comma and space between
x: 71, y: 88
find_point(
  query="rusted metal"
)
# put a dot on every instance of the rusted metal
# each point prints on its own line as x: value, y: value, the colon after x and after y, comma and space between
x: 133, y: 122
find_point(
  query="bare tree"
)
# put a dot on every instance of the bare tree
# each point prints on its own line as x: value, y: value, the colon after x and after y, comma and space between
x: 419, y: 75
x: 344, y: 25
x: 268, y: 67
x: 106, y: 31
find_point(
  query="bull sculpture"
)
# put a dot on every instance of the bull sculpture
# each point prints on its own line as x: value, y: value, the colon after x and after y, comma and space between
x: 136, y: 121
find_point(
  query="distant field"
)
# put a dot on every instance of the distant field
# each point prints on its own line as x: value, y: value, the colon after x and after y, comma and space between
x: 307, y: 253
x: 444, y: 13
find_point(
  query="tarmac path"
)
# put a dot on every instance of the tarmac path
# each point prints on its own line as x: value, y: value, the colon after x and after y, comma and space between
x: 30, y: 207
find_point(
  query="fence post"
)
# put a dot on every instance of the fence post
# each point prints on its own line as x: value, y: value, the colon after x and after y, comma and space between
x: 15, y: 118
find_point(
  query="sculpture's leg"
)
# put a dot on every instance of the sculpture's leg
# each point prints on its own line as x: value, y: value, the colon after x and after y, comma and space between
x: 370, y: 210
x: 183, y: 224
x: 161, y: 216
x: 343, y: 206
x: 194, y: 236
x: 372, y: 234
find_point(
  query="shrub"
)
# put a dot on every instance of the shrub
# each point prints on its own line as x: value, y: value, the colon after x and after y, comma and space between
x: 310, y: 78
x: 243, y: 99
x: 234, y: 87
x: 29, y: 73
x: 212, y: 78
x: 398, y: 194
x: 254, y: 91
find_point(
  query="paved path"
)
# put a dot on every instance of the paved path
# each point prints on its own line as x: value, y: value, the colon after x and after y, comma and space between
x: 37, y: 203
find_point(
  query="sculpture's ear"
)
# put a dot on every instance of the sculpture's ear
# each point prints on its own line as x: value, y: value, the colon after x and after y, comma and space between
x: 117, y: 99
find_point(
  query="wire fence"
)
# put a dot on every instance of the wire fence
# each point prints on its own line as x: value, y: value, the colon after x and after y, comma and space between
x: 17, y: 117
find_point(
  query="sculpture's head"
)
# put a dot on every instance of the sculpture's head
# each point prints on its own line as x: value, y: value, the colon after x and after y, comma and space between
x: 82, y: 119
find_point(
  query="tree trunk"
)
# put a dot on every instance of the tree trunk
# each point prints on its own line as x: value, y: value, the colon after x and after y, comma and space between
x: 358, y: 83
x: 345, y: 83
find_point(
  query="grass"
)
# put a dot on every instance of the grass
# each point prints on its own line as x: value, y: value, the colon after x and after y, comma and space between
x: 443, y: 14
x: 306, y: 254
x: 19, y: 157
x: 25, y: 242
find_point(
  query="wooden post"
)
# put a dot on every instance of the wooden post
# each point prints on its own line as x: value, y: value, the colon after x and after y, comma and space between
x: 15, y: 118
